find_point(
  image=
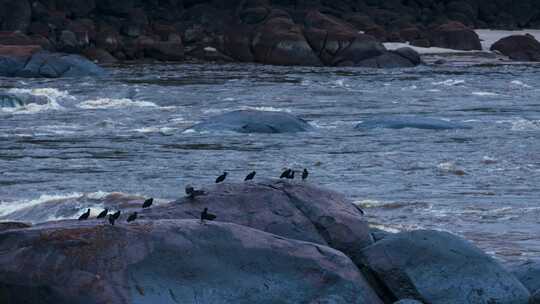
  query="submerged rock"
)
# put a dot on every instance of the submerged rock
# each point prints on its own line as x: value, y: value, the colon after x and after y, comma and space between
x: 171, y: 261
x: 415, y: 122
x: 250, y: 121
x: 55, y: 65
x: 30, y: 61
x: 440, y: 268
x: 9, y: 100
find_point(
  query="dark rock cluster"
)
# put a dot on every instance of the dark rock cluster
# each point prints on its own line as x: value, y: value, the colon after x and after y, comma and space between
x: 285, y: 32
x: 281, y: 32
x: 272, y: 242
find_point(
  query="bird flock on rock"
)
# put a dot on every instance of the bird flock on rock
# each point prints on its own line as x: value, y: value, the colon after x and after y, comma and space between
x: 191, y: 193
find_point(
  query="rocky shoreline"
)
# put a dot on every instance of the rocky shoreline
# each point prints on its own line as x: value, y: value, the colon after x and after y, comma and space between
x: 310, y: 33
x: 272, y: 242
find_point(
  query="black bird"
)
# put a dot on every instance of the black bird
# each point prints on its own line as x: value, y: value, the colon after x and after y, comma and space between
x: 85, y: 215
x: 116, y: 215
x: 250, y: 176
x: 291, y: 175
x: 192, y: 193
x: 305, y: 174
x: 189, y: 190
x: 112, y: 219
x: 221, y: 178
x: 286, y: 173
x: 132, y: 217
x: 207, y: 216
x: 103, y: 213
x: 359, y: 209
x: 147, y: 203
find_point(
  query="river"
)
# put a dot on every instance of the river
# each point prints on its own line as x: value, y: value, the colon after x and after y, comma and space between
x: 130, y: 134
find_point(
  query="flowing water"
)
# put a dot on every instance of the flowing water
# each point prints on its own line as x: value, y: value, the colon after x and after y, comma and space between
x: 127, y: 134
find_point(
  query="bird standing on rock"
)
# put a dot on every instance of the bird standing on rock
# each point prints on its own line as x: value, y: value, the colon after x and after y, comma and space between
x: 111, y: 219
x: 305, y: 174
x: 207, y: 216
x: 147, y: 203
x: 85, y: 215
x: 103, y: 213
x: 250, y: 176
x: 132, y: 217
x: 116, y: 215
x: 359, y: 209
x: 192, y: 193
x: 286, y: 173
x: 221, y: 178
x: 291, y: 175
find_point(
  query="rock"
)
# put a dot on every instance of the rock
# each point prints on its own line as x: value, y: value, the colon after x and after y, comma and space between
x: 15, y: 15
x: 68, y: 42
x: 171, y: 261
x: 378, y: 234
x: 14, y: 58
x: 108, y: 38
x: 40, y: 28
x: 535, y: 298
x: 54, y: 65
x: 21, y: 99
x: 455, y: 35
x: 528, y: 273
x: 280, y: 42
x: 209, y: 54
x: 409, y: 54
x: 337, y: 43
x: 519, y: 47
x: 254, y: 15
x: 410, y: 34
x: 386, y: 60
x: 76, y: 8
x: 415, y: 122
x: 15, y: 38
x: 441, y: 268
x: 9, y: 101
x: 171, y: 50
x: 4, y: 226
x: 237, y: 43
x: 408, y: 301
x: 115, y: 7
x: 298, y: 211
x: 99, y: 55
x: 250, y: 121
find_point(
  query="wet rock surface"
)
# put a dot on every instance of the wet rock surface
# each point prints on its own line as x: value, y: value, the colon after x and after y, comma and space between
x: 251, y: 121
x: 171, y: 261
x: 402, y: 122
x: 438, y: 267
x: 519, y: 47
x: 31, y: 62
x: 272, y: 240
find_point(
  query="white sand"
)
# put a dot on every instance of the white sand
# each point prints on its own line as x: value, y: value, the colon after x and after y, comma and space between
x: 487, y: 37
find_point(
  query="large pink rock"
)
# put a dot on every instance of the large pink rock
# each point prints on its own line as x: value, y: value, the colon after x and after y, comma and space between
x: 519, y: 47
x: 171, y: 261
x: 280, y: 41
x: 455, y: 35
